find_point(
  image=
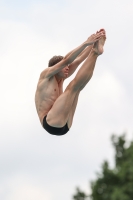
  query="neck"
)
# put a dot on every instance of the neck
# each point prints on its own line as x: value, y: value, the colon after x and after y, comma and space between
x: 59, y: 79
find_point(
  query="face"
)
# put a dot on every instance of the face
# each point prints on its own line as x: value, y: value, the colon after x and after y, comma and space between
x: 64, y: 72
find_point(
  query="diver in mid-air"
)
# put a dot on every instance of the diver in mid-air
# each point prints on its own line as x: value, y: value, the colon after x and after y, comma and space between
x: 56, y: 108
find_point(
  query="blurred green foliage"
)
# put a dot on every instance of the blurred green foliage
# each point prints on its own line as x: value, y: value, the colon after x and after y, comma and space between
x: 117, y: 183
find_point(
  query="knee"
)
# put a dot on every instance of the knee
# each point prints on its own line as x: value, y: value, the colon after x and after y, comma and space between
x: 73, y: 86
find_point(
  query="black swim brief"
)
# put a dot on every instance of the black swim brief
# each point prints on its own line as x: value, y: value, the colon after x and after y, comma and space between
x: 54, y: 130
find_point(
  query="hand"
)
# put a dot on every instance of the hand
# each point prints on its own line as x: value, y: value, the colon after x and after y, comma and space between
x: 95, y: 37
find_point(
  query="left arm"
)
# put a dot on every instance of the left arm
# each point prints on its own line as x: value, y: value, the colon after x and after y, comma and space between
x: 82, y: 56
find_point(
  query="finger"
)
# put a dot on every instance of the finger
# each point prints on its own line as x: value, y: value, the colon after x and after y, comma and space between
x: 102, y: 32
x: 98, y: 38
x: 99, y: 35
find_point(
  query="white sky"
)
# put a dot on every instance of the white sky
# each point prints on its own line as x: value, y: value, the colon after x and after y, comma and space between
x: 33, y: 164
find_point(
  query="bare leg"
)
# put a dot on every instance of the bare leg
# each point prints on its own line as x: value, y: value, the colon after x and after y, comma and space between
x: 64, y: 107
x: 86, y: 71
x: 72, y: 111
x: 59, y: 113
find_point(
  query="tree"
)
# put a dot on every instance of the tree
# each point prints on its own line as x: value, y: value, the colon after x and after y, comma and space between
x: 79, y: 195
x: 117, y: 183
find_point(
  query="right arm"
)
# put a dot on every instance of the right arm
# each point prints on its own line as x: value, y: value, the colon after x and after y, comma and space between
x: 81, y: 57
x: 71, y: 56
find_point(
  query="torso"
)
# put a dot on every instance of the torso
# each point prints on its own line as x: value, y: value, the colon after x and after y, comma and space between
x: 48, y: 90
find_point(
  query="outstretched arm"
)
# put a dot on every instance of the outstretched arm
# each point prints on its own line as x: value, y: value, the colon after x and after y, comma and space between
x: 70, y: 57
x: 81, y: 57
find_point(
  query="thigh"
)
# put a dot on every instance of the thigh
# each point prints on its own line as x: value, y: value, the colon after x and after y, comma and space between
x: 59, y: 113
x: 72, y: 111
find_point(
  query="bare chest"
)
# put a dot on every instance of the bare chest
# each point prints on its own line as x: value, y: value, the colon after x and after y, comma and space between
x: 46, y: 94
x: 53, y: 90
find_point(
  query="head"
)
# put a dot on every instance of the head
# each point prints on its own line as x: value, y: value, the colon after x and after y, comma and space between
x: 56, y: 59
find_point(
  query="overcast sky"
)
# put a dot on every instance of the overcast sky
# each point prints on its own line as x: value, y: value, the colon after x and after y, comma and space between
x: 35, y: 165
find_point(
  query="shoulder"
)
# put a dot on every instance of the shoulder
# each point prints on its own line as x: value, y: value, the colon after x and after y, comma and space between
x: 44, y: 73
x: 43, y: 79
x: 48, y: 73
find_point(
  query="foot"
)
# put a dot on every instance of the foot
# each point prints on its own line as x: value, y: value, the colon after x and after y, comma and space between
x: 98, y: 46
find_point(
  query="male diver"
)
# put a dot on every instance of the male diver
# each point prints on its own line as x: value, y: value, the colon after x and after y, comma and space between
x: 56, y: 108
